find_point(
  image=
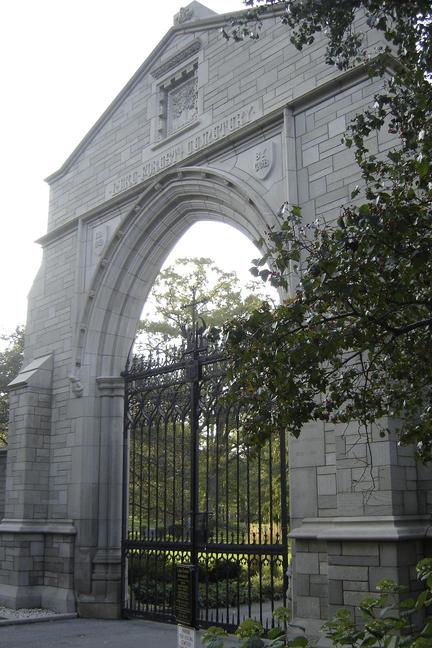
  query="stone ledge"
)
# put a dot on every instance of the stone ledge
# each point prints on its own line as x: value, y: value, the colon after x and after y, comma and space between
x: 37, y: 373
x: 61, y: 527
x: 404, y: 527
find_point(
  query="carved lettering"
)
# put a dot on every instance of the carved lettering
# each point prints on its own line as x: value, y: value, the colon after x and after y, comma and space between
x: 179, y: 152
x: 263, y: 160
x: 100, y: 238
x: 126, y: 182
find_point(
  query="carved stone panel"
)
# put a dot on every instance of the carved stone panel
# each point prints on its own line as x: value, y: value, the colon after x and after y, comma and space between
x: 100, y: 238
x: 184, y: 15
x: 263, y: 160
x: 178, y: 100
x: 97, y: 239
x: 182, y: 104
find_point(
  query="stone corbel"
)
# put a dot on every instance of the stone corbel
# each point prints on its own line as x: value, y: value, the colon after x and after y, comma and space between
x: 76, y: 386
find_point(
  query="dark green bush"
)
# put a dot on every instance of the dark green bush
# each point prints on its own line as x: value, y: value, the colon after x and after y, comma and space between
x: 153, y: 592
x: 220, y: 570
x: 152, y: 567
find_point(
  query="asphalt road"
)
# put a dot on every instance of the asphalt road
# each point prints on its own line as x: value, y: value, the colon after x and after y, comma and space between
x: 89, y: 633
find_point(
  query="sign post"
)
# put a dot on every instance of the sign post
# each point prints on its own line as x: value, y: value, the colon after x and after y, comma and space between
x: 185, y: 605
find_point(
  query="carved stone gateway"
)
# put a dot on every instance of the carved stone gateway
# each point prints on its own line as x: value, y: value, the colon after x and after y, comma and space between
x: 225, y: 132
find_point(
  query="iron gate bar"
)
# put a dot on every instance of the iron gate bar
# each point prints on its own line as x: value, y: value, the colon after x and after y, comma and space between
x: 173, y: 416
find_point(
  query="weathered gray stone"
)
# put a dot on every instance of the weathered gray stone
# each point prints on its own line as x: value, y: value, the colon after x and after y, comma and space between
x: 307, y: 563
x: 3, y: 461
x: 137, y: 181
x: 348, y: 572
x: 307, y: 606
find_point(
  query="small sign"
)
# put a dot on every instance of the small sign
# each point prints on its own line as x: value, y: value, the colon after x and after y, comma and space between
x: 185, y: 637
x: 185, y: 594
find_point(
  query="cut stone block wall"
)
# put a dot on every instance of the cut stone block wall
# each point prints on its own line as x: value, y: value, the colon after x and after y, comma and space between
x: 330, y: 575
x: 3, y: 461
x: 36, y: 554
x: 36, y: 567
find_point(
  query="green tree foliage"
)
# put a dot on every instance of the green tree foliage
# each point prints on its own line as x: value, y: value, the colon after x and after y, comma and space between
x: 219, y: 295
x: 10, y: 363
x: 353, y: 341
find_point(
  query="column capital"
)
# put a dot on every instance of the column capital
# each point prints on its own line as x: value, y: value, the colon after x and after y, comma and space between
x: 110, y: 386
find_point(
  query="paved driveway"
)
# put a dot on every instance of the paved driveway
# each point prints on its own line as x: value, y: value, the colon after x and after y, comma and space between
x: 89, y: 633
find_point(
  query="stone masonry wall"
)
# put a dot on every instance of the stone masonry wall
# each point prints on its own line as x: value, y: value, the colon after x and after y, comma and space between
x: 3, y: 460
x: 269, y: 71
x: 36, y: 570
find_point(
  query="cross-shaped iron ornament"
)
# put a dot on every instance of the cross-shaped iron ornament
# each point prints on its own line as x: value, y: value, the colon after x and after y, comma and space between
x: 195, y: 334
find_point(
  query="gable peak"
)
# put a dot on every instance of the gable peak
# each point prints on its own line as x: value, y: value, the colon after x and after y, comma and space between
x: 193, y: 11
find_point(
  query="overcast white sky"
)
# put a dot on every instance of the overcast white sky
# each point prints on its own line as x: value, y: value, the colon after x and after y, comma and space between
x: 61, y: 64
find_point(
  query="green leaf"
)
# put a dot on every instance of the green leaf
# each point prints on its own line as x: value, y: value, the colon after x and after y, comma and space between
x: 364, y: 210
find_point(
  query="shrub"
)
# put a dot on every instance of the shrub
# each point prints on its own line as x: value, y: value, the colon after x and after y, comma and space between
x: 388, y: 622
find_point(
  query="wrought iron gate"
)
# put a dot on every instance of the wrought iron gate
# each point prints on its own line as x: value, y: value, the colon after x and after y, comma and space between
x: 195, y: 495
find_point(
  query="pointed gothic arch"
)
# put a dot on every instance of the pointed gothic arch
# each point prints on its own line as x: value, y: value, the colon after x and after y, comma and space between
x: 156, y: 221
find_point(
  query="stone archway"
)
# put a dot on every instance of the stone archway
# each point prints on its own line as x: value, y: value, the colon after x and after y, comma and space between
x: 143, y: 239
x: 252, y: 131
x: 126, y: 273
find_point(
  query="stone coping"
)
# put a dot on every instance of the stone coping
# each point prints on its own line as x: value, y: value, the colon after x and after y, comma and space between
x: 403, y: 527
x: 63, y: 527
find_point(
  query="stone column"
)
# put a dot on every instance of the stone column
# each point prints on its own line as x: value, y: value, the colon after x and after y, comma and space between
x: 312, y: 460
x: 29, y: 435
x: 105, y: 598
x: 381, y: 526
x: 36, y: 554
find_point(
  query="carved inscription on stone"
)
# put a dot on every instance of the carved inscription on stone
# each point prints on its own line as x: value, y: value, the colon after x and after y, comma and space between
x: 182, y: 104
x: 175, y: 154
x: 263, y: 160
x: 100, y: 238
